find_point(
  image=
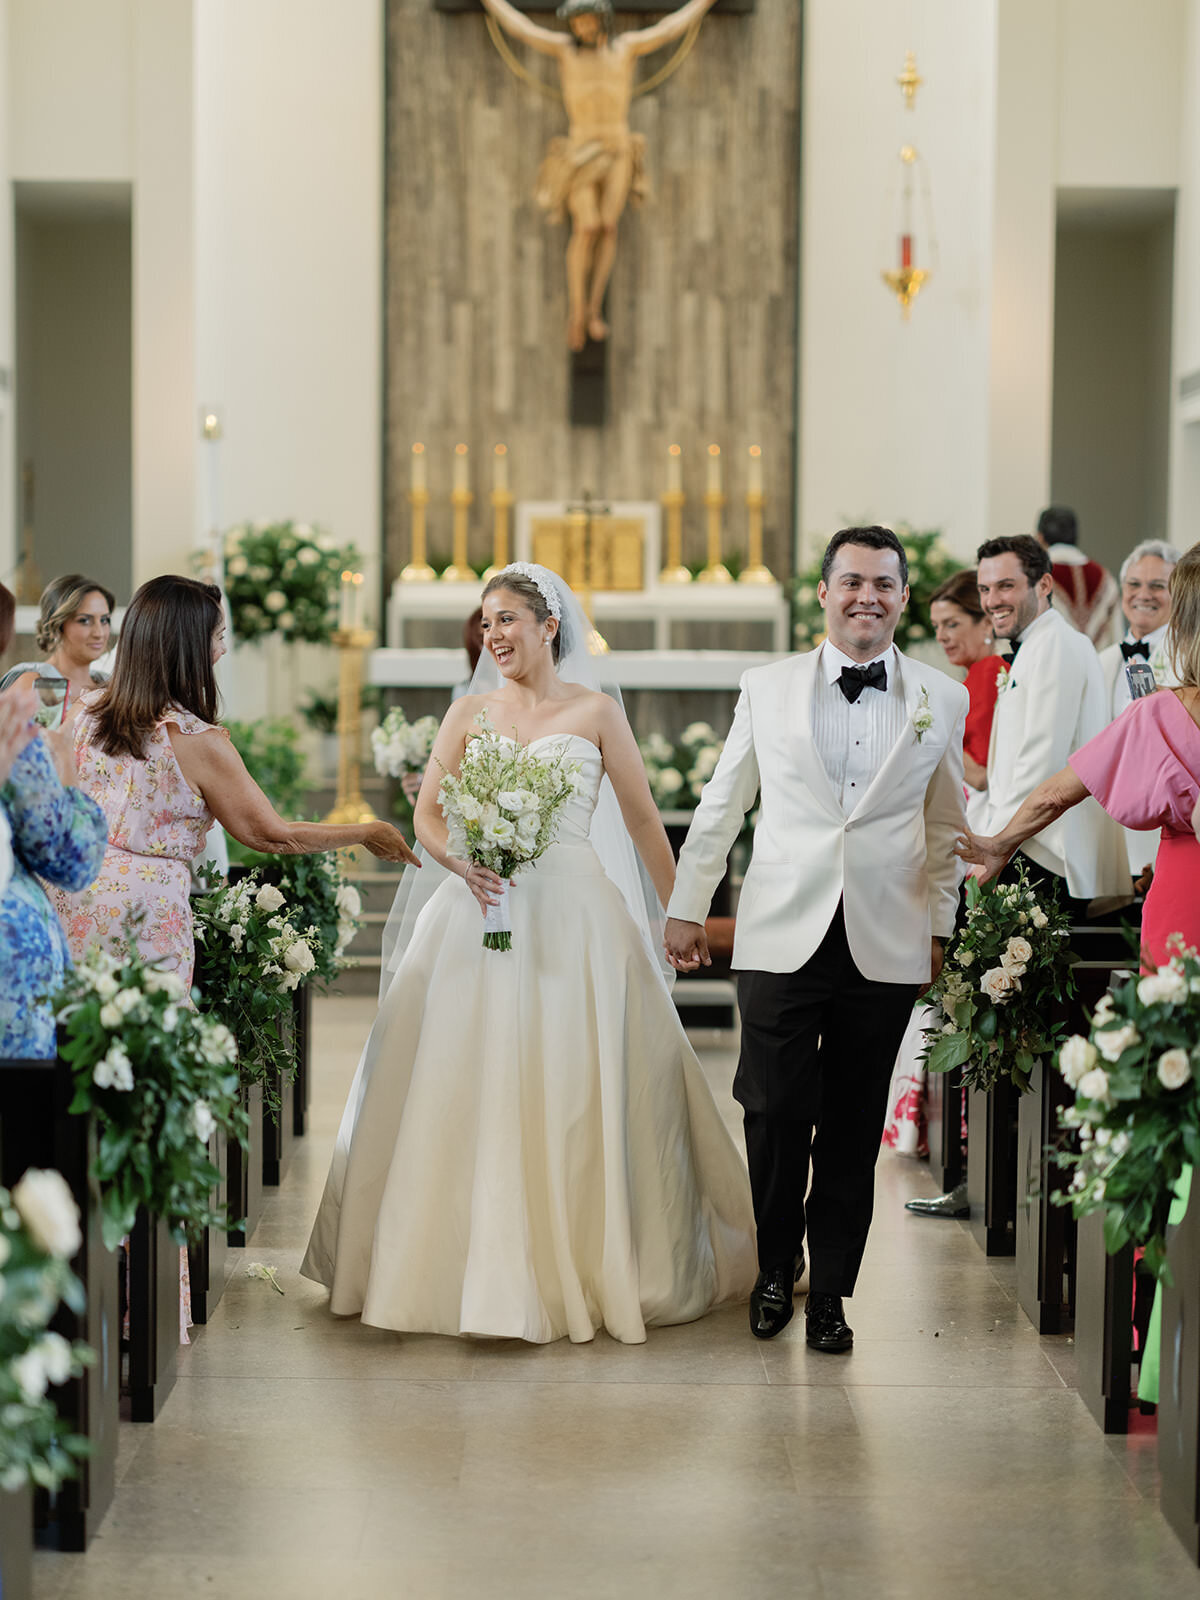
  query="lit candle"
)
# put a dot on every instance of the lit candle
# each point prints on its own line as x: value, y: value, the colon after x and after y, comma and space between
x: 755, y: 481
x: 674, y: 469
x: 460, y: 466
x: 359, y: 600
x: 344, y: 613
x: 500, y: 468
x: 714, y: 469
x: 417, y: 480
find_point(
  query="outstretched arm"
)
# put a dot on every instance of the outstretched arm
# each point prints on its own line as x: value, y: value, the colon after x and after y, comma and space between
x: 550, y: 41
x: 1044, y: 806
x: 644, y: 41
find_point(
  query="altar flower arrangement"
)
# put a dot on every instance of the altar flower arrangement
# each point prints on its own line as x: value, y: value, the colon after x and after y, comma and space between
x: 159, y: 1078
x: 284, y: 578
x: 678, y: 772
x: 502, y: 810
x: 1137, y: 1104
x: 929, y: 565
x: 250, y: 955
x: 1001, y: 974
x: 39, y: 1233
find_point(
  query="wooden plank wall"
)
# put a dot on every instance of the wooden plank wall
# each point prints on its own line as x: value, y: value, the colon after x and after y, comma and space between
x: 702, y: 303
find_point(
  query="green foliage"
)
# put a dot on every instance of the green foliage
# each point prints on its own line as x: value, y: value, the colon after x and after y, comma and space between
x: 320, y: 711
x: 1003, y: 971
x: 284, y: 578
x: 35, y: 1276
x: 929, y: 565
x: 159, y: 1079
x: 317, y: 896
x: 1137, y: 1104
x: 271, y: 751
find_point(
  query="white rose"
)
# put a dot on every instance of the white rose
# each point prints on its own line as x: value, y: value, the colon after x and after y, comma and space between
x: 237, y: 567
x: 170, y: 1018
x: 349, y: 902
x: 168, y: 983
x: 203, y: 1122
x: 30, y: 1374
x: 1164, y: 986
x: 105, y: 985
x: 1015, y: 969
x: 47, y: 1208
x: 1174, y: 1069
x: 1120, y: 1144
x: 55, y: 1355
x: 268, y: 898
x: 697, y: 733
x: 219, y: 1045
x: 966, y: 958
x: 1038, y: 917
x: 1017, y: 950
x: 275, y: 600
x: 299, y: 958
x: 1104, y: 1009
x: 670, y: 781
x: 307, y: 556
x: 1077, y: 1057
x: 1113, y: 1042
x: 1094, y: 1085
x: 518, y: 801
x: 128, y: 1000
x: 110, y: 1015
x: 999, y: 985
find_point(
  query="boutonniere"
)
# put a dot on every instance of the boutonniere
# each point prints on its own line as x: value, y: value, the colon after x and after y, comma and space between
x: 923, y: 716
x: 1158, y: 664
x: 1002, y: 678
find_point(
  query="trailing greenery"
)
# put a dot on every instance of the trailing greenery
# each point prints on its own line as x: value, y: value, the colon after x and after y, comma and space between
x: 159, y: 1078
x: 319, y: 897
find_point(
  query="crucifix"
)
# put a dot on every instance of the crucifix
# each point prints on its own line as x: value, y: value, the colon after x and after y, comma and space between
x: 593, y: 173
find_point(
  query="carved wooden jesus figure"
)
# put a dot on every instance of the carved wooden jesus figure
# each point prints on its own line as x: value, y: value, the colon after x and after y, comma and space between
x: 599, y: 166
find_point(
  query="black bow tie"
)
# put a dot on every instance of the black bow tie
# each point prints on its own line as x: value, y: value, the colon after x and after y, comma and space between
x: 1013, y: 646
x: 855, y: 679
x: 1136, y: 647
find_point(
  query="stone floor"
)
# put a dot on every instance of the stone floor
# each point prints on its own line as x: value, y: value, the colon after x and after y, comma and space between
x: 947, y: 1458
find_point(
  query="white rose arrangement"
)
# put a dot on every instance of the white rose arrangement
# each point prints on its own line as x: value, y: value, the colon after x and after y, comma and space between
x: 159, y: 1078
x: 502, y: 810
x: 39, y: 1235
x: 1135, y: 1122
x: 284, y: 578
x: 1003, y: 970
x: 677, y: 773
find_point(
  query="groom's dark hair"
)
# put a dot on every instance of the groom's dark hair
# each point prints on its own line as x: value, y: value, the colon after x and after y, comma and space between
x: 874, y: 538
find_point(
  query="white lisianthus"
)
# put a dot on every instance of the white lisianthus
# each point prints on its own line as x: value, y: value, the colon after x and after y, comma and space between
x: 1077, y: 1057
x: 203, y: 1122
x: 110, y: 1015
x: 999, y: 985
x: 1113, y: 1042
x: 113, y: 1071
x: 349, y: 902
x: 268, y: 898
x: 1094, y: 1085
x: 1166, y: 986
x: 1174, y: 1069
x: 299, y: 958
x: 517, y: 801
x: 499, y: 830
x: 47, y: 1208
x: 1015, y: 969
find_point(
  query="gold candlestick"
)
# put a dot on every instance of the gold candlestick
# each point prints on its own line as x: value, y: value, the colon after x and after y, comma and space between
x: 755, y: 571
x: 502, y: 504
x: 715, y: 571
x: 673, y: 502
x: 460, y: 569
x: 353, y: 643
x: 418, y: 569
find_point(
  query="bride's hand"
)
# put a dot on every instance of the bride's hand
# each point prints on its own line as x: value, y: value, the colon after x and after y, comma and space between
x: 981, y: 853
x: 484, y: 884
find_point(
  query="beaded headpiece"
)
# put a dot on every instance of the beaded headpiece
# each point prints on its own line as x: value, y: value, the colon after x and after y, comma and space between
x: 542, y: 579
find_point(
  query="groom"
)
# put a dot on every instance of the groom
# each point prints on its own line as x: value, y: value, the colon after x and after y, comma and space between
x: 853, y: 886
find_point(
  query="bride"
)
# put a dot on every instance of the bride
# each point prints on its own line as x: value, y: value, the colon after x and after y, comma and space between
x: 530, y: 1149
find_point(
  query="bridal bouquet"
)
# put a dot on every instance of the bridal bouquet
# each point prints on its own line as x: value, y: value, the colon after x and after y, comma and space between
x: 502, y: 812
x: 1003, y: 971
x: 400, y: 746
x: 1137, y: 1104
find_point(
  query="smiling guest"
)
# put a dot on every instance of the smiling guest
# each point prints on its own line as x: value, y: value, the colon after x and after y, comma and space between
x: 1052, y: 702
x: 74, y: 630
x: 852, y: 887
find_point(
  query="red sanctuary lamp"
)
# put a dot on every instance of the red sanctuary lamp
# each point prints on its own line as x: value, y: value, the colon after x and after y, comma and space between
x: 915, y: 243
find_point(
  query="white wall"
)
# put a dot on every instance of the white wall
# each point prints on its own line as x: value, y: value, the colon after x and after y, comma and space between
x: 1185, y: 435
x: 71, y: 88
x: 289, y: 186
x: 8, y: 477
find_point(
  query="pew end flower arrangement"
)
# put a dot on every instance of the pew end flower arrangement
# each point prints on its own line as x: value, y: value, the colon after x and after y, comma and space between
x: 39, y: 1234
x: 1003, y: 972
x: 502, y: 811
x: 250, y: 956
x: 1137, y: 1104
x: 318, y: 896
x: 159, y: 1080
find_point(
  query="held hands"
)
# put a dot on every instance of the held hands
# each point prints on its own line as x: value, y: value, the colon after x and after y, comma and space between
x: 984, y: 854
x: 388, y: 843
x: 484, y: 884
x: 686, y: 945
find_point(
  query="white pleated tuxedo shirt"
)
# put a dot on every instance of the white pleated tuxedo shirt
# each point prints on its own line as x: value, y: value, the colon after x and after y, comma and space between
x: 854, y: 738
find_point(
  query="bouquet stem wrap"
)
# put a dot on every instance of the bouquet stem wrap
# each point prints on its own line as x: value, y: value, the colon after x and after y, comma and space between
x: 497, y: 923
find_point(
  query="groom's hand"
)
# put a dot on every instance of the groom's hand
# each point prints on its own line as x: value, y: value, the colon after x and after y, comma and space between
x: 686, y: 945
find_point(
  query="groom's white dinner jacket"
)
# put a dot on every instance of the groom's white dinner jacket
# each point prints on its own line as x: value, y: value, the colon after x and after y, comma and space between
x: 890, y: 858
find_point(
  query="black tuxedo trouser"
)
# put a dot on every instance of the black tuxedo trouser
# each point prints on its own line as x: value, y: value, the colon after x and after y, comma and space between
x: 818, y: 1050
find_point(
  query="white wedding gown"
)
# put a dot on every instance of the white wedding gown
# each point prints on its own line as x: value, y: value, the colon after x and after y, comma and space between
x: 530, y: 1149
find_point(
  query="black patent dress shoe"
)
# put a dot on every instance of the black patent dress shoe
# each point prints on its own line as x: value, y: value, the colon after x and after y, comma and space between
x: 825, y: 1323
x: 771, y: 1298
x: 953, y: 1204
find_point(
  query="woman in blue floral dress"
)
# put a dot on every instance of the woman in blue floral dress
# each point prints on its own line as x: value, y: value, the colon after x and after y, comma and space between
x: 58, y: 834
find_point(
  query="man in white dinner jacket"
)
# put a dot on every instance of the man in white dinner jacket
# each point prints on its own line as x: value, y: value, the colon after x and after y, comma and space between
x: 852, y: 887
x: 1146, y: 603
x: 1052, y: 700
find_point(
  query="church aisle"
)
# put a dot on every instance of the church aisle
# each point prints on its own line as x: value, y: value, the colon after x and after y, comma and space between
x: 948, y: 1456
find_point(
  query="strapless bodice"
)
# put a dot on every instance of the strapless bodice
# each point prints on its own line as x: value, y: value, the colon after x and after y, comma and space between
x: 575, y: 818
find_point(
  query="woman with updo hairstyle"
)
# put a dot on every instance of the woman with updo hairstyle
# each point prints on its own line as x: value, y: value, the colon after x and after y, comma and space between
x: 965, y: 635
x: 74, y: 629
x: 151, y: 752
